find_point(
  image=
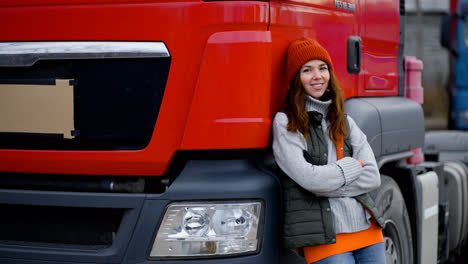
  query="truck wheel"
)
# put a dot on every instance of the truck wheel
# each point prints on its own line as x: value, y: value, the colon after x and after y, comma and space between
x: 397, y: 231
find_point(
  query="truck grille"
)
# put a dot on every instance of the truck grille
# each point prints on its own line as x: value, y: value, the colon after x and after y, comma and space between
x: 70, y: 99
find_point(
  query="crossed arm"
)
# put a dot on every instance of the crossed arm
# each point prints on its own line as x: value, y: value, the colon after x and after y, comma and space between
x: 343, y: 178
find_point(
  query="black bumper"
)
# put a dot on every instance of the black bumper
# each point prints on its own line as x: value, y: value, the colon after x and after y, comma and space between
x: 201, y: 180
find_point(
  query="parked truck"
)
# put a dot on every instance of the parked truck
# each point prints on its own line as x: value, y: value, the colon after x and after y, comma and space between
x: 454, y: 38
x: 138, y: 131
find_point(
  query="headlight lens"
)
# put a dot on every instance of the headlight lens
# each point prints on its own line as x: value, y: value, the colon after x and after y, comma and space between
x: 208, y: 229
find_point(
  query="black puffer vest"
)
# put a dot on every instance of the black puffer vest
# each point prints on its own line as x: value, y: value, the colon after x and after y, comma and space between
x: 307, y: 218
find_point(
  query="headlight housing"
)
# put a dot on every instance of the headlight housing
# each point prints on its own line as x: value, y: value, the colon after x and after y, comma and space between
x: 208, y: 229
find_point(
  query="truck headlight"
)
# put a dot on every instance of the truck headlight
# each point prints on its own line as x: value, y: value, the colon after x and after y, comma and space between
x: 208, y: 229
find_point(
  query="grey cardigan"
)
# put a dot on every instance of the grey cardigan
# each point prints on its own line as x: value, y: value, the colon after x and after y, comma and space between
x: 339, y: 180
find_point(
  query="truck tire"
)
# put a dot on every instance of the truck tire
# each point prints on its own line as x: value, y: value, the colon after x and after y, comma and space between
x: 397, y: 231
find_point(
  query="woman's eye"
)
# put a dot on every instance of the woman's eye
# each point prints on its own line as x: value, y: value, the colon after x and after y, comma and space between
x: 305, y: 70
x: 323, y: 68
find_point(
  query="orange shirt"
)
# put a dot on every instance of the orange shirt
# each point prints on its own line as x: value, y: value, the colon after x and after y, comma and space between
x: 345, y: 242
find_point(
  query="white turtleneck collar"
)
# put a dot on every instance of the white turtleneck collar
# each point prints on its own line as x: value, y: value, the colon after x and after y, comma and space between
x: 312, y: 104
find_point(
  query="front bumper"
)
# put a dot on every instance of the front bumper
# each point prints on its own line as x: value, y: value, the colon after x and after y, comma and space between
x: 201, y: 180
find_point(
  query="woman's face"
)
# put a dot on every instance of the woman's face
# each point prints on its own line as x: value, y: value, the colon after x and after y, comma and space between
x: 315, y: 78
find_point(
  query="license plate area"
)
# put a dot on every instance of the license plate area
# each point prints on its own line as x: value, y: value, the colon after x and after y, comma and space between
x: 42, y: 107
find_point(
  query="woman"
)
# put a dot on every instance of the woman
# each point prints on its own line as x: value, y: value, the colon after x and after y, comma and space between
x: 327, y: 164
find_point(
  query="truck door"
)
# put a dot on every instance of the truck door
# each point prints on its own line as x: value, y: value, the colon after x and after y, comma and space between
x: 331, y: 22
x: 380, y: 42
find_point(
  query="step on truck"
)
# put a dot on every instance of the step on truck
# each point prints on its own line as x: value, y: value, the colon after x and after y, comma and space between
x: 139, y: 131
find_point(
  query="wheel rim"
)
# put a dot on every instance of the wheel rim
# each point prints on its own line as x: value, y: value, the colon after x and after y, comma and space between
x: 392, y: 243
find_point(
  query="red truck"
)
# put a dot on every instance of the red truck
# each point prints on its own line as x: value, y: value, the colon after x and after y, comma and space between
x: 137, y: 131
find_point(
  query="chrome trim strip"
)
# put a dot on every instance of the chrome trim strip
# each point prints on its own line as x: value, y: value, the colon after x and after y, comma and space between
x: 24, y: 54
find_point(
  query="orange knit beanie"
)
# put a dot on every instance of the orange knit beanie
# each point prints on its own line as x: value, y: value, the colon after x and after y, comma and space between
x: 301, y: 51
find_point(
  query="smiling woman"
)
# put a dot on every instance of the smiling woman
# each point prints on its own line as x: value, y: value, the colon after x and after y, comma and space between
x: 327, y: 167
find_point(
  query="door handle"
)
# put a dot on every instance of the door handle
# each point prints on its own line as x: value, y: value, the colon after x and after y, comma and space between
x: 354, y: 55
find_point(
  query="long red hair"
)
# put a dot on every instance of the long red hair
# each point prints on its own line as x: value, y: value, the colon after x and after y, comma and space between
x: 298, y: 120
